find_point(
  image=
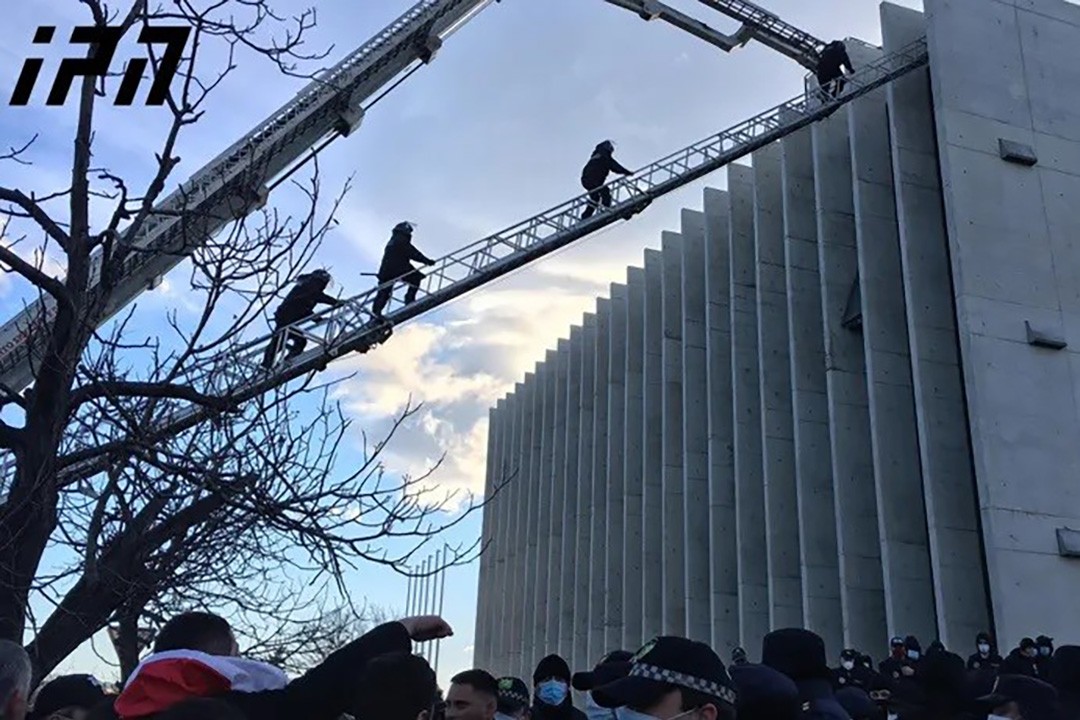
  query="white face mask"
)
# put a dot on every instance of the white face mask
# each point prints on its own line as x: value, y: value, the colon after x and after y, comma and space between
x: 913, y: 654
x: 984, y: 649
x: 847, y: 664
x: 997, y: 717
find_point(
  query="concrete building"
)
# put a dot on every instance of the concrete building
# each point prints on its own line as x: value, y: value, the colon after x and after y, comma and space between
x: 845, y: 395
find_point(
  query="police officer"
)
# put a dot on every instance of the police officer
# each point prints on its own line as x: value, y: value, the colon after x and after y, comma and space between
x: 832, y: 63
x: 308, y: 291
x: 845, y: 675
x: 595, y: 174
x: 397, y: 266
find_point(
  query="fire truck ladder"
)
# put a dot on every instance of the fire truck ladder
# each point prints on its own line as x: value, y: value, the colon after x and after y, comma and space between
x: 237, y: 181
x: 238, y: 374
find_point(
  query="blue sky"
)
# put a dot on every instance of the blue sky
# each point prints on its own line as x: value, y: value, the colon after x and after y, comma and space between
x: 493, y: 132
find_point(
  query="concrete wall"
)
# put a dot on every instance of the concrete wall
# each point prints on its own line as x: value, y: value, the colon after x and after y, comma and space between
x: 1014, y: 259
x: 817, y: 403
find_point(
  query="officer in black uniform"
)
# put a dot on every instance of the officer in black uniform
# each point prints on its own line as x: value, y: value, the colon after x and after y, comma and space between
x: 595, y: 174
x: 397, y: 266
x: 832, y: 63
x: 308, y: 291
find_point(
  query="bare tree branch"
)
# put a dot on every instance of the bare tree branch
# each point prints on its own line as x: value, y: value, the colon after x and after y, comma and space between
x: 34, y: 210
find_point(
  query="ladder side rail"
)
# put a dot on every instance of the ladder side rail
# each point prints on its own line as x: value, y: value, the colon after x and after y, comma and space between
x: 802, y: 113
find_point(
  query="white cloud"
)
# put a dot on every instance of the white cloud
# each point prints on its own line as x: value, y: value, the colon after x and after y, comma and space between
x: 467, y: 649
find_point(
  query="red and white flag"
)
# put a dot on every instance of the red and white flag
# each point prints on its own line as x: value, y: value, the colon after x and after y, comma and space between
x: 164, y: 679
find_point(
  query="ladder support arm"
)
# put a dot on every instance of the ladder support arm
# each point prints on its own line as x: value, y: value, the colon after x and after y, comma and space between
x: 655, y: 10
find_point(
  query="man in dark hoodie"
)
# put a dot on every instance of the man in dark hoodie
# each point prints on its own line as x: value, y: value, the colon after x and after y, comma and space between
x: 396, y: 266
x: 206, y: 666
x: 800, y: 654
x: 985, y: 656
x: 308, y: 291
x: 551, y: 691
x: 1044, y: 660
x: 595, y: 174
x: 1021, y: 660
x: 942, y: 679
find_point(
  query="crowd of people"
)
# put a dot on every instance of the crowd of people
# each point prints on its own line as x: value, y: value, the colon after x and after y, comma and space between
x: 195, y: 672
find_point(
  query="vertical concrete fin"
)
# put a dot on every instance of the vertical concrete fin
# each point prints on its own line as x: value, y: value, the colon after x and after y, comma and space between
x: 652, y: 616
x: 861, y: 590
x: 571, y: 557
x: 777, y: 442
x: 723, y: 540
x: 809, y: 396
x: 674, y: 601
x: 909, y: 596
x: 746, y: 407
x: 633, y: 443
x: 616, y: 451
x: 695, y: 414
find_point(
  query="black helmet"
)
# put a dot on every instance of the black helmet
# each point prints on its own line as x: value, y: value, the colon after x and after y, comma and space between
x: 606, y: 147
x: 404, y: 227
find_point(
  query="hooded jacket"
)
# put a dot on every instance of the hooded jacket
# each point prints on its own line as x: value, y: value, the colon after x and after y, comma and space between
x: 398, y: 257
x: 307, y: 292
x: 600, y: 165
x: 258, y: 690
x: 554, y: 666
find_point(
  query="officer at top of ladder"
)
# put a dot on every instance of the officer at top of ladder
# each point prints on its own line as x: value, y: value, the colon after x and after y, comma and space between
x: 595, y: 175
x: 308, y: 291
x: 832, y: 64
x: 397, y: 266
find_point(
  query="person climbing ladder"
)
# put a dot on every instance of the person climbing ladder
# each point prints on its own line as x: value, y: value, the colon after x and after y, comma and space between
x: 397, y: 266
x: 308, y: 291
x: 595, y: 174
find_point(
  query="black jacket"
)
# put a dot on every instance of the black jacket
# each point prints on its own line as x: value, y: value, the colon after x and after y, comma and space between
x: 302, y: 299
x: 1019, y: 664
x: 834, y: 58
x: 398, y: 257
x: 978, y: 662
x: 600, y: 165
x: 566, y: 711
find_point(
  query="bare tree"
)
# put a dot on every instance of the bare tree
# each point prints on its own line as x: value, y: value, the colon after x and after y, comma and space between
x: 299, y: 645
x: 205, y: 517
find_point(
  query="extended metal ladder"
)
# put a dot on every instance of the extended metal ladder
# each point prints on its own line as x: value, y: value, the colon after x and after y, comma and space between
x: 237, y: 373
x: 238, y: 180
x: 235, y: 182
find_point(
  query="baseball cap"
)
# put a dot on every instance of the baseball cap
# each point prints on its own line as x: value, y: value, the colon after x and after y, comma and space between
x: 513, y: 692
x: 81, y: 691
x: 614, y: 665
x: 662, y: 663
